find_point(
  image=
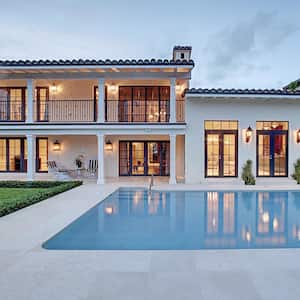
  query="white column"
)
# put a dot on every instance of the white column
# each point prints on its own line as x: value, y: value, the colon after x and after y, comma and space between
x: 100, y: 138
x: 30, y: 103
x: 172, y: 159
x: 101, y: 98
x: 173, y: 100
x: 30, y: 157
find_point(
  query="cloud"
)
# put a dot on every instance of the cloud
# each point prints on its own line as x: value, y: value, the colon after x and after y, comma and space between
x: 234, y: 50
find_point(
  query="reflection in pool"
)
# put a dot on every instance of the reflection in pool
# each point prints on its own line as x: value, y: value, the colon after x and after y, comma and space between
x: 130, y: 219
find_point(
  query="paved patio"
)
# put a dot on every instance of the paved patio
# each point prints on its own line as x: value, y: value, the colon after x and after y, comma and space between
x: 30, y: 272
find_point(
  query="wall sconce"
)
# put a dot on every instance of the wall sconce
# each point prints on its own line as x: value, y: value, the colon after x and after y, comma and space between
x: 249, y: 133
x: 108, y: 146
x: 178, y: 88
x: 113, y: 88
x: 298, y: 136
x: 54, y: 88
x: 56, y: 146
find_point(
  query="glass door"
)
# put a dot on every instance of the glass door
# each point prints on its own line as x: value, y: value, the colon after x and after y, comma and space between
x: 221, y: 154
x: 42, y: 103
x: 213, y: 155
x: 272, y: 149
x: 280, y: 154
x: 144, y: 158
x: 229, y: 163
x: 138, y: 158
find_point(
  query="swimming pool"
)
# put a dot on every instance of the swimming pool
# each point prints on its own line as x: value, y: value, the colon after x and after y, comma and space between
x: 130, y: 219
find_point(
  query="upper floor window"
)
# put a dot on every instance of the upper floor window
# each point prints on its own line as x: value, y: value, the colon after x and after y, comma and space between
x: 12, y: 103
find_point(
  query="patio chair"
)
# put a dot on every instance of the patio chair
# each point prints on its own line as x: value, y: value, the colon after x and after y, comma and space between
x: 60, y: 174
x: 92, y: 169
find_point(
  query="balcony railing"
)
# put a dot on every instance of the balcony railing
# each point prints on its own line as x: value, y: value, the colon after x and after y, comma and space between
x: 85, y: 110
x: 137, y: 111
x: 180, y: 111
x: 66, y: 111
x: 12, y: 111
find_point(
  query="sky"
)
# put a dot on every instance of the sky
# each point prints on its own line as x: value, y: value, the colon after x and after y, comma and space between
x: 236, y: 43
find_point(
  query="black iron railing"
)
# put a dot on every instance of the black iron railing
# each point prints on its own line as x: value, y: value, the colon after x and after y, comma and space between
x: 137, y: 111
x: 12, y: 110
x: 79, y: 110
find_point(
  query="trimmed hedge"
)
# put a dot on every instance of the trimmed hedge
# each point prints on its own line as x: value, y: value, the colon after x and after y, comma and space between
x: 35, y: 184
x: 48, y: 189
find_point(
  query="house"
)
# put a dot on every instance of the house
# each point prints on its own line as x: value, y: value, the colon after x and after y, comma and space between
x: 127, y: 114
x: 140, y: 118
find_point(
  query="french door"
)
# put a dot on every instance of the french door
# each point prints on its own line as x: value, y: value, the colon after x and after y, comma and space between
x: 221, y: 150
x: 42, y: 103
x: 272, y: 153
x: 140, y: 158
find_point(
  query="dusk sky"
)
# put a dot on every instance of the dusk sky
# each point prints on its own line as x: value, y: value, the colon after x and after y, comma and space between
x: 241, y: 44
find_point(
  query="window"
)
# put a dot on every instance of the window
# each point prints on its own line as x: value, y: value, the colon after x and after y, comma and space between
x: 13, y: 156
x: 12, y: 104
x: 221, y: 125
x: 182, y: 55
x: 42, y: 155
x: 144, y: 103
x: 272, y: 125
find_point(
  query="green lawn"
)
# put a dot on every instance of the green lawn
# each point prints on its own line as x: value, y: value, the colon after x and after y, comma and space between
x: 16, y: 195
x: 13, y: 194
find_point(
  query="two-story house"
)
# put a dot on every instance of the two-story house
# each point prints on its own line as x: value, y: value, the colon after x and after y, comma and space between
x: 141, y: 118
x: 129, y: 115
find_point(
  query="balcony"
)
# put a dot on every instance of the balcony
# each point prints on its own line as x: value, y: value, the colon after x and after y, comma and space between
x: 66, y: 111
x: 12, y: 111
x: 135, y: 111
x: 85, y: 111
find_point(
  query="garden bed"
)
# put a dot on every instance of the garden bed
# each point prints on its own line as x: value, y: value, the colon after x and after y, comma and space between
x: 15, y: 195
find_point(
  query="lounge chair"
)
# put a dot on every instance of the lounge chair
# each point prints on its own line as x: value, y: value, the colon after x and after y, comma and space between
x: 92, y: 169
x: 59, y: 173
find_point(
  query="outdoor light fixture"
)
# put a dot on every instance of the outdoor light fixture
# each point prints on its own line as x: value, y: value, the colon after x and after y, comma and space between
x: 56, y: 146
x: 54, y: 88
x: 249, y: 133
x: 178, y: 88
x: 113, y: 88
x: 298, y: 136
x: 108, y: 146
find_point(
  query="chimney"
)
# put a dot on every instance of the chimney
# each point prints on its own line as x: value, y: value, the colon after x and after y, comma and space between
x: 182, y: 53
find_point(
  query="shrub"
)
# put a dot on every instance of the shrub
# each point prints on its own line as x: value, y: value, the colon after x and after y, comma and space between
x: 247, y: 175
x: 36, y: 184
x: 296, y: 174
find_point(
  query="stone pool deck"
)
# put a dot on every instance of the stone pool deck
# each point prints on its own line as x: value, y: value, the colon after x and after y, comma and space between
x: 30, y: 272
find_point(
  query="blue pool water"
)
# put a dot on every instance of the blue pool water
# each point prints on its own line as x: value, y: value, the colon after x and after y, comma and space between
x: 130, y: 219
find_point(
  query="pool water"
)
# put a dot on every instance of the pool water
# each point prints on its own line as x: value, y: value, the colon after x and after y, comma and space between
x: 130, y: 219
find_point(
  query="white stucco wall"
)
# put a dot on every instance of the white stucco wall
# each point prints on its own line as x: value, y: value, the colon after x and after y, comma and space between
x: 72, y: 146
x: 247, y: 112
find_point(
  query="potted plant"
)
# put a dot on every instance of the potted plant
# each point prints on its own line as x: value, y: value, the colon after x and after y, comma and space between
x: 247, y: 175
x: 296, y: 174
x: 79, y: 161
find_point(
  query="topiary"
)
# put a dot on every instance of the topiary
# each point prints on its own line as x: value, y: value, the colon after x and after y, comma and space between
x: 247, y: 175
x: 296, y: 174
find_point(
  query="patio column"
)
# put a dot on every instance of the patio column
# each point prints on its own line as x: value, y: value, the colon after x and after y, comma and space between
x: 30, y: 157
x: 30, y: 101
x: 101, y: 101
x: 100, y: 138
x: 172, y: 159
x: 172, y: 100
